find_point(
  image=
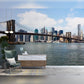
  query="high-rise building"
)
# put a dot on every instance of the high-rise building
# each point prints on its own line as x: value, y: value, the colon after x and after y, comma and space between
x: 53, y: 30
x: 42, y: 32
x: 49, y: 37
x: 55, y: 33
x: 21, y: 37
x: 27, y: 38
x: 60, y: 32
x: 46, y: 37
x: 32, y: 38
x: 81, y: 37
x: 36, y: 36
x: 79, y: 30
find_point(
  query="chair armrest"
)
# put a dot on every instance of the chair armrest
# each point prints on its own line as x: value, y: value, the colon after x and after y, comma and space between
x: 17, y: 62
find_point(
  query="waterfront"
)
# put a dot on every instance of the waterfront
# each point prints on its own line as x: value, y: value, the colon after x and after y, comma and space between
x: 57, y: 53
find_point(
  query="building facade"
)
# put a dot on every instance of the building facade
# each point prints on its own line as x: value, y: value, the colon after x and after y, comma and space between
x: 36, y: 37
x: 22, y: 38
x: 79, y: 30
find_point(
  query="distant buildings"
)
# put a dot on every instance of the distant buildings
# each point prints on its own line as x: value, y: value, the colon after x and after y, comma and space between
x: 36, y: 37
x: 68, y: 34
x: 44, y: 31
x: 32, y: 38
x: 22, y: 38
x: 81, y: 36
x: 61, y: 32
x: 55, y: 33
x: 79, y: 30
x: 53, y: 30
x: 49, y: 37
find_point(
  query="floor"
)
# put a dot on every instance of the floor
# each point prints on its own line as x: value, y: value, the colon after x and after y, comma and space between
x: 49, y: 75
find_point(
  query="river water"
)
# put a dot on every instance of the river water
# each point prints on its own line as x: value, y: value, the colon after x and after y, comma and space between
x: 57, y: 53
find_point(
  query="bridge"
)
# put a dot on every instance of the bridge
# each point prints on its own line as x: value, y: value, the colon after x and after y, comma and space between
x: 11, y: 27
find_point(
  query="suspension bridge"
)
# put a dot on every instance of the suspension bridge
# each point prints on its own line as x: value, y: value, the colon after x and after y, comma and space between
x: 12, y: 25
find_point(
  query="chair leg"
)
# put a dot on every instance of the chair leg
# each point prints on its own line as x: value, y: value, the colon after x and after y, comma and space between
x: 20, y: 68
x: 5, y: 67
x: 10, y: 70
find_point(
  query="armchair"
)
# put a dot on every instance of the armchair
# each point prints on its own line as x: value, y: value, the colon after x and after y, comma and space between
x: 10, y: 58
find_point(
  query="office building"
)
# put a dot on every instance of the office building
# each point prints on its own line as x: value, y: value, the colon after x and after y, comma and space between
x: 79, y: 30
x: 46, y: 37
x: 53, y: 30
x: 49, y: 37
x: 21, y: 37
x: 61, y: 32
x: 81, y: 37
x: 42, y: 32
x: 55, y: 33
x: 27, y: 38
x: 32, y: 38
x: 36, y: 37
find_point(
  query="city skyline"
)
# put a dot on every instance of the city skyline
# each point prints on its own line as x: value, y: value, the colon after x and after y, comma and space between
x: 62, y: 15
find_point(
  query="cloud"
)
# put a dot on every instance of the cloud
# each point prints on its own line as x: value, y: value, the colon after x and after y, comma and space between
x: 72, y: 9
x: 72, y: 24
x: 35, y: 19
x: 30, y: 5
x: 60, y: 21
x: 3, y: 26
x: 38, y: 20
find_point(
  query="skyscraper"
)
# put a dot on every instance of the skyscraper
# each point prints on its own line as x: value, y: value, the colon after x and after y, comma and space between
x: 79, y: 30
x: 21, y: 37
x: 81, y: 36
x: 36, y: 36
x: 55, y: 33
x: 46, y: 37
x: 42, y: 32
x: 32, y: 38
x: 27, y: 38
x: 61, y: 32
x: 53, y: 30
x: 49, y: 37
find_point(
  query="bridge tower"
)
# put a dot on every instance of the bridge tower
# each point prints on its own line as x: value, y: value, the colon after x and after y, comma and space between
x: 11, y: 27
x: 68, y: 35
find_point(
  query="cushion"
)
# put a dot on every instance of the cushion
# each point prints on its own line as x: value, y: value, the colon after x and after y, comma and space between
x: 25, y: 53
x: 11, y: 61
x: 8, y: 54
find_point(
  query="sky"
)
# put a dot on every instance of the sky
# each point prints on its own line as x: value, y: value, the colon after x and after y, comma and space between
x: 61, y: 14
